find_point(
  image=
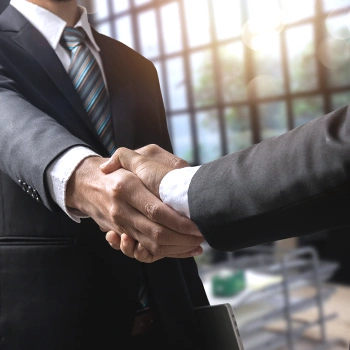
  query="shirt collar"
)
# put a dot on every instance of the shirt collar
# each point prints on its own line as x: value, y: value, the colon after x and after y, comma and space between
x: 50, y: 25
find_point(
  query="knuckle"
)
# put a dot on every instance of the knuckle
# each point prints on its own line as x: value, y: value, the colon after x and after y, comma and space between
x: 157, y: 235
x: 156, y: 249
x: 115, y: 213
x: 178, y: 163
x: 120, y: 150
x: 153, y: 148
x: 152, y: 211
x: 150, y: 149
x: 119, y: 186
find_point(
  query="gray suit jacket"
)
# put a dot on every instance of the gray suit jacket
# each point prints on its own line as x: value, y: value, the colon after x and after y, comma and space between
x: 61, y: 285
x: 290, y: 185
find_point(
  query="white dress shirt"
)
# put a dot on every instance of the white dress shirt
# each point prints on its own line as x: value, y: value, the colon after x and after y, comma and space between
x: 173, y: 188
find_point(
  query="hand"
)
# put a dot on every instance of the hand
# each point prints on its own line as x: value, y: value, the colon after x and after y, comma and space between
x: 121, y: 203
x: 135, y: 250
x: 151, y: 163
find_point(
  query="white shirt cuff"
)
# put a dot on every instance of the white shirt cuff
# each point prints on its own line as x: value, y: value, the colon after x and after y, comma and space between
x: 58, y: 174
x: 173, y: 189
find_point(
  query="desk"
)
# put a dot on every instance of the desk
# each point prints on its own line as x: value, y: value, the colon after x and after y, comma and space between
x: 338, y: 328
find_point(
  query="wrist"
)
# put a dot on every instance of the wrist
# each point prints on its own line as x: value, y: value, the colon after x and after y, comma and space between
x: 83, y: 182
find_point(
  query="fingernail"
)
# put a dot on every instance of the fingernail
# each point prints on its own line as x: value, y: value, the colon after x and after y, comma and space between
x: 197, y: 252
x: 196, y: 232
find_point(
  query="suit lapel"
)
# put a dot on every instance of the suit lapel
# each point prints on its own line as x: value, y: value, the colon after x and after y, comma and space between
x: 120, y: 87
x: 31, y: 40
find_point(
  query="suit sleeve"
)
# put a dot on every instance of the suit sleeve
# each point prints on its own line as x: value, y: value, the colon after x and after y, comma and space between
x: 29, y: 139
x: 291, y: 185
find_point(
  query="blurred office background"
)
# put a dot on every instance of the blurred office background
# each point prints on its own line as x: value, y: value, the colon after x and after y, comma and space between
x: 233, y: 73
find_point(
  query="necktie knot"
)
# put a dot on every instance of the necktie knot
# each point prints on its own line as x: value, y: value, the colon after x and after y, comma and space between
x: 73, y: 37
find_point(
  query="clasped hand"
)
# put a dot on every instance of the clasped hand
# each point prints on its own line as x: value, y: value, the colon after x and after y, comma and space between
x: 150, y: 164
x: 122, y: 197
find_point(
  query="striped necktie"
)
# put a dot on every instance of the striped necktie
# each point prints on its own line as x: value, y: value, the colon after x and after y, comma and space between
x: 88, y: 81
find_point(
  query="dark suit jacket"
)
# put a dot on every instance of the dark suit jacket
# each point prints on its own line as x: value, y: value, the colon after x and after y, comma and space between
x: 291, y: 185
x: 61, y: 285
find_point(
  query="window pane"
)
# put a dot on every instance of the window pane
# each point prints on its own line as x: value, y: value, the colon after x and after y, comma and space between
x: 339, y: 26
x: 295, y: 10
x: 148, y: 34
x: 269, y: 68
x: 181, y: 137
x: 302, y: 61
x: 335, y: 4
x: 306, y: 109
x: 171, y: 28
x: 238, y: 130
x: 197, y: 22
x: 334, y: 51
x: 264, y: 24
x: 120, y: 5
x: 104, y: 28
x: 340, y: 99
x: 335, y: 55
x: 273, y: 119
x: 258, y: 8
x: 176, y: 83
x: 232, y: 72
x: 141, y: 2
x: 203, y: 78
x: 124, y: 31
x: 227, y: 16
x: 101, y: 10
x: 208, y: 136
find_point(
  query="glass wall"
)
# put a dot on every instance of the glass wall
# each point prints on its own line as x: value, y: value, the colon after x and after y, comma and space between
x: 235, y: 72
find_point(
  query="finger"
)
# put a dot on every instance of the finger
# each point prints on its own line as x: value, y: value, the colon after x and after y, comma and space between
x: 123, y: 157
x: 112, y: 164
x: 150, y: 172
x: 156, y: 153
x: 133, y: 249
x: 128, y: 245
x: 152, y: 235
x: 143, y: 255
x: 160, y: 240
x: 158, y: 212
x: 113, y: 239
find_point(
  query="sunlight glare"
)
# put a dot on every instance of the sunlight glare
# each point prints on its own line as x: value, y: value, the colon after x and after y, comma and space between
x: 294, y: 10
x: 334, y: 25
x: 333, y: 52
x: 263, y: 27
x: 197, y: 20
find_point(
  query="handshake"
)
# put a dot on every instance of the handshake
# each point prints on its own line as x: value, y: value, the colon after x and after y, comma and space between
x: 121, y: 194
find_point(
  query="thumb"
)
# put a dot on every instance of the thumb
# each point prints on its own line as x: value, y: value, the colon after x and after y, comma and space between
x: 111, y: 165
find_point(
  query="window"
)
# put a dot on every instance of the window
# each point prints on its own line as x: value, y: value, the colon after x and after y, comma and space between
x: 235, y: 72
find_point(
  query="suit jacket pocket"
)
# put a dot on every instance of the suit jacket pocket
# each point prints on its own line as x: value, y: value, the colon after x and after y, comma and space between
x: 35, y: 241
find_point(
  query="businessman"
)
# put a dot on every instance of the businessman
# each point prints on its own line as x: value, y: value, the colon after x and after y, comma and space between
x: 69, y: 97
x: 290, y: 185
